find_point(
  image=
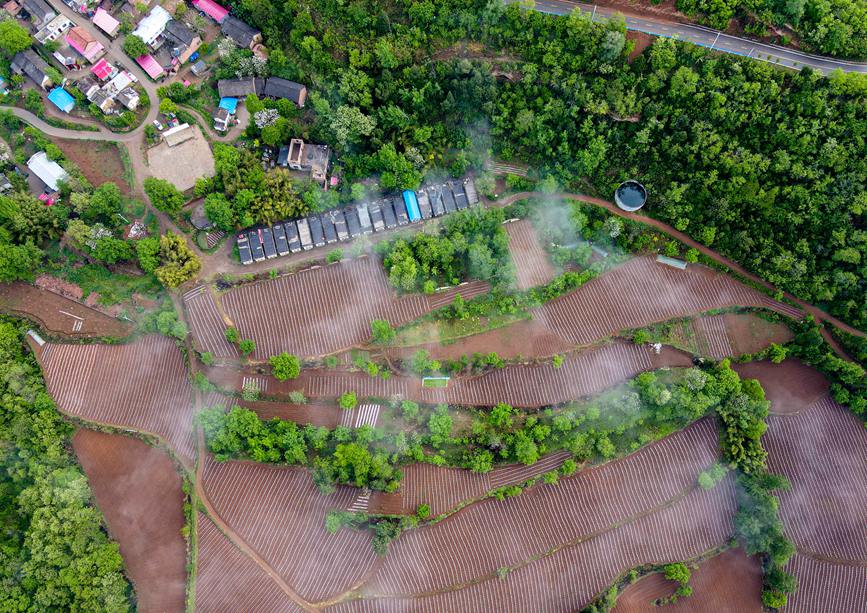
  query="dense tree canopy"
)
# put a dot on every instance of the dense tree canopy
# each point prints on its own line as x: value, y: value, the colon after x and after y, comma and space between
x: 56, y: 555
x: 763, y: 165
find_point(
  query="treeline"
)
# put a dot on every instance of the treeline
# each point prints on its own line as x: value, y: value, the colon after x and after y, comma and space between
x: 363, y: 457
x: 471, y: 244
x: 757, y: 523
x: 56, y: 555
x: 620, y: 421
x: 831, y: 27
x: 848, y: 379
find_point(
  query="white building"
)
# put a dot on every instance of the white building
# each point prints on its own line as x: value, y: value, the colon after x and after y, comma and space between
x: 53, y: 30
x: 153, y: 25
x: 48, y: 171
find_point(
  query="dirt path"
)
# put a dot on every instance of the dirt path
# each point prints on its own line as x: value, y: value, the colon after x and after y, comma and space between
x: 815, y: 311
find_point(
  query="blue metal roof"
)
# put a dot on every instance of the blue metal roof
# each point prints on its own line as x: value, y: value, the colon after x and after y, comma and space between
x: 230, y: 104
x: 62, y: 99
x: 411, y: 204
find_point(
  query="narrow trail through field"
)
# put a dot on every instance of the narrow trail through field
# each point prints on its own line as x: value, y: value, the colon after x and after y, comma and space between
x: 234, y: 537
x: 824, y: 558
x: 815, y: 311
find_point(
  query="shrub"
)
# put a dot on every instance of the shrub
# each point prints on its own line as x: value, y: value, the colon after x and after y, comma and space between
x: 348, y: 400
x: 381, y: 331
x: 232, y: 335
x: 285, y: 366
x: 247, y: 346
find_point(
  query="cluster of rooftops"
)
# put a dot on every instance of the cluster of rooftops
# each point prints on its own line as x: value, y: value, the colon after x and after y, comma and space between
x: 319, y: 229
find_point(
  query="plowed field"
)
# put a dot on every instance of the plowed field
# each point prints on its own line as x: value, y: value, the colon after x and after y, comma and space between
x: 280, y: 513
x: 822, y: 451
x: 141, y: 385
x: 826, y: 586
x: 228, y: 580
x: 320, y: 310
x: 139, y: 492
x: 57, y: 314
x: 726, y: 583
x: 641, y: 292
x: 791, y: 386
x: 532, y: 266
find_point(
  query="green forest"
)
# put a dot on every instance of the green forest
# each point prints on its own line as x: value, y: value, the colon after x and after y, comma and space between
x: 763, y: 165
x: 56, y: 555
x: 830, y: 27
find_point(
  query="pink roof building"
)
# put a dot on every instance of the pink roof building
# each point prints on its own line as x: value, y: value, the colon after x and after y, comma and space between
x: 211, y: 9
x: 102, y: 69
x: 83, y: 41
x: 150, y: 66
x: 105, y: 22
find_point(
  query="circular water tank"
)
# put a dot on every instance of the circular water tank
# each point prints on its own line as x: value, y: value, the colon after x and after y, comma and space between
x: 630, y: 195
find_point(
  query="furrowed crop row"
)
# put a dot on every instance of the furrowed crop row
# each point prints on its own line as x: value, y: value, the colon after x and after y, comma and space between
x: 821, y: 451
x: 279, y: 512
x: 116, y: 384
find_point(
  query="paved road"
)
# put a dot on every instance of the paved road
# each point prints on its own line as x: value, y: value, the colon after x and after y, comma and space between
x: 707, y: 37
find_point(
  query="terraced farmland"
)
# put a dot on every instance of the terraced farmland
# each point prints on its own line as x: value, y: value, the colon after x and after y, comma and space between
x: 532, y: 266
x: 141, y: 385
x: 227, y: 577
x: 322, y: 309
x: 280, y: 514
x: 587, y: 529
x: 822, y: 451
x: 641, y: 292
x: 206, y: 323
x: 444, y: 488
x: 826, y: 586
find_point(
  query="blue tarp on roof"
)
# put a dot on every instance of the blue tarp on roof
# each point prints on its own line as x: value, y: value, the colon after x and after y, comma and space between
x: 411, y: 203
x: 230, y: 104
x: 62, y: 99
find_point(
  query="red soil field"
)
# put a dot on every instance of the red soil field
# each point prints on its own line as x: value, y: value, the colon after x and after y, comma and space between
x: 141, y: 385
x: 207, y: 324
x: 791, y: 385
x: 226, y: 578
x: 581, y: 374
x: 532, y: 266
x: 526, y: 338
x: 279, y: 513
x: 826, y: 586
x: 750, y: 333
x: 139, y: 492
x: 444, y: 488
x: 319, y: 310
x: 601, y: 522
x: 58, y: 315
x: 729, y: 582
x: 641, y: 292
x: 822, y: 452
x: 318, y: 414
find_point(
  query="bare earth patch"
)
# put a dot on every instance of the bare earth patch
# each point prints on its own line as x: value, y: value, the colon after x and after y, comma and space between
x: 182, y: 164
x: 139, y: 492
x: 99, y: 161
x: 729, y: 582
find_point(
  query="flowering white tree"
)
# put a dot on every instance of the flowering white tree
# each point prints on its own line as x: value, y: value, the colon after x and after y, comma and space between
x: 265, y: 118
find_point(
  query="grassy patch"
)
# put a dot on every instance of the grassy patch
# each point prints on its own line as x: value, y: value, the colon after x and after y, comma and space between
x: 113, y: 288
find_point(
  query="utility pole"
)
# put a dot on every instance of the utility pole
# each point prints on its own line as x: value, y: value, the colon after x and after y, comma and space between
x: 593, y: 16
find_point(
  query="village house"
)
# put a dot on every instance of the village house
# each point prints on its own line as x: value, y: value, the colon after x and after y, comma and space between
x: 29, y: 63
x: 39, y: 10
x: 181, y: 40
x: 53, y: 30
x: 105, y: 22
x: 212, y: 9
x: 48, y: 171
x: 129, y: 98
x: 245, y: 36
x: 152, y: 26
x: 272, y: 87
x: 84, y: 42
x: 306, y: 157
